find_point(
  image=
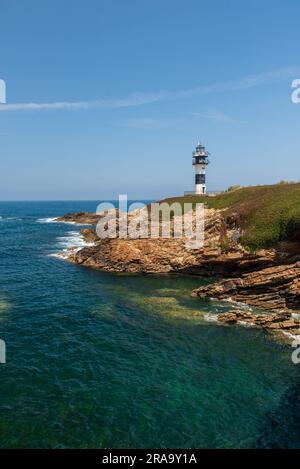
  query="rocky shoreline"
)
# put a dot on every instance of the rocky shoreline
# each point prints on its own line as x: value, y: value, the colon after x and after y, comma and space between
x: 282, y: 321
x: 82, y: 218
x: 274, y: 288
x: 167, y: 255
x: 267, y: 280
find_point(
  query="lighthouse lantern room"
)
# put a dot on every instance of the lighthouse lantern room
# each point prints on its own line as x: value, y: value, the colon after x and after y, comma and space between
x: 200, y: 161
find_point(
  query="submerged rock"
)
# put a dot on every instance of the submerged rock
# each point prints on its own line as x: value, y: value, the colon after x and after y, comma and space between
x: 281, y: 321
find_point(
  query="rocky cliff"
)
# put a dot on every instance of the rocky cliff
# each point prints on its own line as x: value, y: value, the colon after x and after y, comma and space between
x: 167, y: 255
x: 267, y: 277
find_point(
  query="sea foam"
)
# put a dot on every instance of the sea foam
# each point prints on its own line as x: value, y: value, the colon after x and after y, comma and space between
x: 47, y: 220
x: 69, y: 244
x: 55, y: 220
x: 8, y: 219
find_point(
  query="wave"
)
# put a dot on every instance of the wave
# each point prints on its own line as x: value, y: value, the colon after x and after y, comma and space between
x: 55, y: 220
x: 246, y: 324
x: 72, y: 239
x: 10, y: 218
x: 238, y: 304
x: 60, y: 255
x: 210, y: 317
x: 290, y: 335
x: 69, y: 244
x: 47, y: 220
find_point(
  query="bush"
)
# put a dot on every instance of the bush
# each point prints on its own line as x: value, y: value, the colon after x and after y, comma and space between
x: 233, y: 188
x: 267, y: 214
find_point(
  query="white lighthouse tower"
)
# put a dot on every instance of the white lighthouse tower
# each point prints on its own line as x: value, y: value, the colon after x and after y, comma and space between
x: 200, y: 161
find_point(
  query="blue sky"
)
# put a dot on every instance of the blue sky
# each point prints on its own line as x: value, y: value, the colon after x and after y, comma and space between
x: 110, y: 96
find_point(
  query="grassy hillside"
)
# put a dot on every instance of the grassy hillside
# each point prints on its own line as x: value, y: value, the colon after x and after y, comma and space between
x: 267, y: 214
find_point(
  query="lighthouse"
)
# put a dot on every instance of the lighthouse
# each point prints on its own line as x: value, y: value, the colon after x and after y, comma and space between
x: 200, y: 161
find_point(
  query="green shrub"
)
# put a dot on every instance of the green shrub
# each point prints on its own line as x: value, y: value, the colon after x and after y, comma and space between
x: 268, y: 214
x: 233, y: 188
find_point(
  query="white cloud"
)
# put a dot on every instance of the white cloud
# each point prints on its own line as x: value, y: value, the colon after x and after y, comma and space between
x: 219, y: 116
x: 138, y: 99
x: 249, y: 81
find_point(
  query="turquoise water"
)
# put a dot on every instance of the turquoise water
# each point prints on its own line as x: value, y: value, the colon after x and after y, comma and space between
x: 100, y: 360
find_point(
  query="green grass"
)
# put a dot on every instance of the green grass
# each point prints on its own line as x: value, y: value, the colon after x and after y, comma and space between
x: 267, y: 214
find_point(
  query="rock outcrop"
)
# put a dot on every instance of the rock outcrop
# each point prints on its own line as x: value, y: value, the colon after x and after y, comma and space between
x: 281, y: 321
x: 268, y: 279
x: 166, y: 255
x: 89, y: 235
x: 275, y: 288
x: 82, y: 218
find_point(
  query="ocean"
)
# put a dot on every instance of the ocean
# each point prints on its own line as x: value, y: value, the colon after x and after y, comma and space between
x: 97, y: 360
